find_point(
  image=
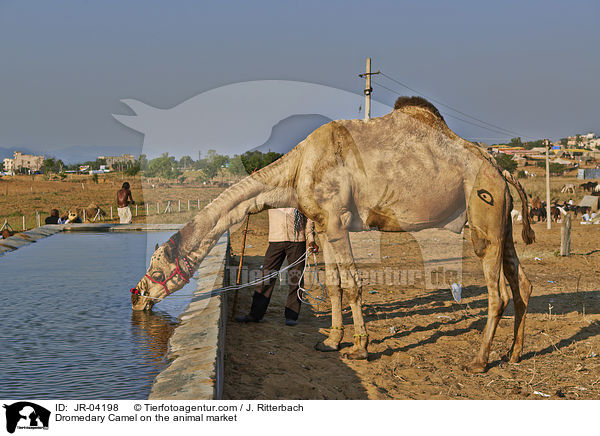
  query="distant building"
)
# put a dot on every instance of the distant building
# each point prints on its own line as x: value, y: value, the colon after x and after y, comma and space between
x: 113, y: 162
x: 9, y: 166
x: 23, y: 161
x: 589, y: 139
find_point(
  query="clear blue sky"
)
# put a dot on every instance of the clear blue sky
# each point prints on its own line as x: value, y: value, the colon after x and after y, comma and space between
x: 531, y: 67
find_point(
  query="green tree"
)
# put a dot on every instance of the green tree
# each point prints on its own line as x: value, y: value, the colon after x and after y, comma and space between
x: 236, y: 166
x: 133, y: 170
x: 49, y: 165
x: 255, y: 160
x: 164, y: 167
x: 506, y: 162
x: 214, y: 163
x: 186, y: 162
x: 143, y: 161
x: 516, y: 142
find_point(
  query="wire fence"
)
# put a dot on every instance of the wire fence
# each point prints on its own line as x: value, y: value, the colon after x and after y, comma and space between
x: 103, y: 213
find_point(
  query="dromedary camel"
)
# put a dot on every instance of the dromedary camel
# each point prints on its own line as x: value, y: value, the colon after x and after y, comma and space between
x: 405, y: 171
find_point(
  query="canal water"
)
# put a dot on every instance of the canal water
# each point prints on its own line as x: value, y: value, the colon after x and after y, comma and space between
x: 67, y: 330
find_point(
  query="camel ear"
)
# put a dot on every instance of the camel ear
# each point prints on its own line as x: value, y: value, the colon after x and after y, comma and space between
x: 169, y: 253
x: 156, y: 247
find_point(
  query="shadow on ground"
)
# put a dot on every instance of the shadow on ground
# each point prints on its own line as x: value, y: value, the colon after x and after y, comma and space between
x: 272, y: 361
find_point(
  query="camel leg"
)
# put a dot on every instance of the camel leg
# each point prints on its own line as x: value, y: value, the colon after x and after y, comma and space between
x: 351, y: 284
x: 332, y: 343
x: 521, y: 290
x: 498, y: 297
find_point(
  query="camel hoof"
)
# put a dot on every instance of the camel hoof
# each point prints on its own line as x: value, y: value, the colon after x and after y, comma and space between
x: 514, y: 358
x: 476, y: 368
x: 322, y: 346
x: 360, y: 354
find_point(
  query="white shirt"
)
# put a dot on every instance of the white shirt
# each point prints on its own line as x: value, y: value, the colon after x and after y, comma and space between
x: 281, y: 226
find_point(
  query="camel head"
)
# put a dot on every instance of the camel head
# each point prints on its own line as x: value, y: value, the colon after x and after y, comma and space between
x: 169, y: 271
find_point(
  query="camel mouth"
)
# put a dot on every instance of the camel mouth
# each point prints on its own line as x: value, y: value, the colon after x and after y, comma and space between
x: 139, y: 301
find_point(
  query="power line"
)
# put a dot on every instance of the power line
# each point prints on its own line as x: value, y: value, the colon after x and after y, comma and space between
x: 447, y: 114
x: 505, y: 131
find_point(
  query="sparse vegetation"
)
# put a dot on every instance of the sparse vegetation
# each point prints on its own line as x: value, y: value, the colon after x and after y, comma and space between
x: 507, y: 162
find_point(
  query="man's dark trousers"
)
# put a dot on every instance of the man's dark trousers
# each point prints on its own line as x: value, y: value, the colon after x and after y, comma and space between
x: 274, y: 257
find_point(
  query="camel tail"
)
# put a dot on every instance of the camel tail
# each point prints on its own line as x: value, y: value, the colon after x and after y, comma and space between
x: 527, y: 234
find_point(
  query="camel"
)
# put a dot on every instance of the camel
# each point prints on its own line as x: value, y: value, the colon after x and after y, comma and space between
x: 356, y: 175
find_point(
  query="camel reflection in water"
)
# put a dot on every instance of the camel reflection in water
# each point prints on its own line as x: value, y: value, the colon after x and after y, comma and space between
x: 151, y: 331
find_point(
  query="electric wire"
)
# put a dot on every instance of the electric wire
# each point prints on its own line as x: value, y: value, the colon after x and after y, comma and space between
x: 492, y: 127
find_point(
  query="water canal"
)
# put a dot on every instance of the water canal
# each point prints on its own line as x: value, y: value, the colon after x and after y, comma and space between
x: 68, y: 331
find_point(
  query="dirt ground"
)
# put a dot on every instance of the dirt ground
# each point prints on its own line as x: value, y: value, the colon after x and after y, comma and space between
x: 25, y: 195
x: 420, y: 339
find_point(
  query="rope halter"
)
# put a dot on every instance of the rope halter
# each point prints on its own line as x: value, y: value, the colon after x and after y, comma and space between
x: 176, y: 272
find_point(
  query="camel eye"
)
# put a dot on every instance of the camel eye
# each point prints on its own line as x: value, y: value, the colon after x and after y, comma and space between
x: 158, y: 276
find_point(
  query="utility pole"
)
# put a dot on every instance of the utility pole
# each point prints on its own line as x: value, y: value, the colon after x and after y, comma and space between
x: 548, y: 210
x: 368, y: 90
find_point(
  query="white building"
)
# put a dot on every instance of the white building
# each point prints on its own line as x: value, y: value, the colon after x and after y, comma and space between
x: 9, y: 165
x: 23, y: 161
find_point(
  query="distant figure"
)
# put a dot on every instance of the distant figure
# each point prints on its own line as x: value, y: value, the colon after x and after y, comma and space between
x: 73, y: 218
x: 123, y: 199
x: 6, y: 234
x: 53, y: 218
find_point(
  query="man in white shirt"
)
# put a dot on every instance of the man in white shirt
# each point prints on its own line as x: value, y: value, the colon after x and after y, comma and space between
x: 289, y: 232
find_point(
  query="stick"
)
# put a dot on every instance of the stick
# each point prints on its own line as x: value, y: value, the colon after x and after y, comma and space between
x: 239, y: 274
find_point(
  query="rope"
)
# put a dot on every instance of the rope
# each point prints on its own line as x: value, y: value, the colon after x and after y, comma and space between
x: 303, y: 291
x: 219, y: 291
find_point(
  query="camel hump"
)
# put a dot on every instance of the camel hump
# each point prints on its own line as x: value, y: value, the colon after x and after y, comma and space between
x: 415, y: 101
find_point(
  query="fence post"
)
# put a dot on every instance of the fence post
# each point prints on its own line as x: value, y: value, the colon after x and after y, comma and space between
x: 565, y: 236
x: 188, y: 204
x: 23, y: 222
x: 111, y: 213
x: 198, y: 204
x: 136, y: 210
x: 83, y: 215
x: 179, y: 206
x: 146, y: 209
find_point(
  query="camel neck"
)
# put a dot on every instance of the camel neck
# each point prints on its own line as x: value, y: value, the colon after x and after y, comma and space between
x: 270, y: 187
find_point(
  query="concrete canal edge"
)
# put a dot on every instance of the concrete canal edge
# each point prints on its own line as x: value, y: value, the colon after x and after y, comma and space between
x: 197, y: 346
